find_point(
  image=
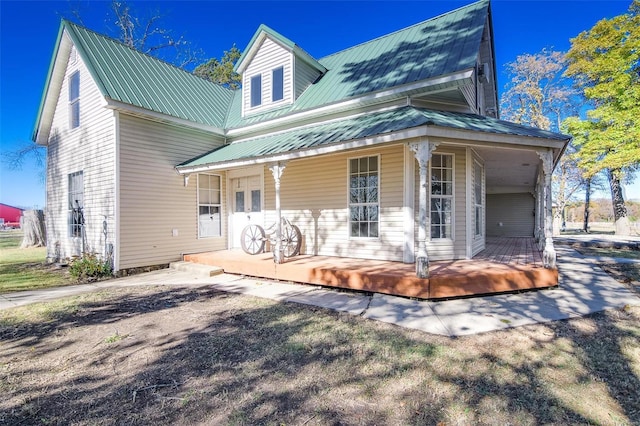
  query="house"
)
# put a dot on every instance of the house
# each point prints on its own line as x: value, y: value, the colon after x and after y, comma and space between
x: 392, y: 149
x: 10, y: 216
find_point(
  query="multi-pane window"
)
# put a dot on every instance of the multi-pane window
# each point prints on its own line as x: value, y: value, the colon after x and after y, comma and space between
x: 256, y: 90
x: 477, y: 198
x: 74, y: 100
x: 209, y: 206
x: 277, y: 85
x: 364, y: 202
x: 441, y: 196
x: 76, y: 205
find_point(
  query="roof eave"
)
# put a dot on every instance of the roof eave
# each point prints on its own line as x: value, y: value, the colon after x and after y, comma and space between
x: 382, y: 96
x: 450, y: 135
x: 307, y: 152
x: 44, y: 116
x: 157, y: 116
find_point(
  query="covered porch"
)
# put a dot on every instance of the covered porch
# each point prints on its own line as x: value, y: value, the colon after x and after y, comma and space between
x: 506, y: 265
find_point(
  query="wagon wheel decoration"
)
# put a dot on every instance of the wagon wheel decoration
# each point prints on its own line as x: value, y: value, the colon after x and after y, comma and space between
x: 252, y: 239
x: 291, y: 240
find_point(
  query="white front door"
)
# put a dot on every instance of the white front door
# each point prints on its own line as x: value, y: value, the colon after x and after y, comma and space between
x: 246, y: 200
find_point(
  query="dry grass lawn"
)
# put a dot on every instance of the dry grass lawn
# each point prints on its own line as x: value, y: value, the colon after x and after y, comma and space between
x: 152, y: 355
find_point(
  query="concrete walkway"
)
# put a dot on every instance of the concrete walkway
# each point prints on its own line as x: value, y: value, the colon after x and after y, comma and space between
x: 584, y: 288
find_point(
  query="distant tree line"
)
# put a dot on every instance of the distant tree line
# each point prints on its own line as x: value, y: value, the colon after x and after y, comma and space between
x: 601, y: 211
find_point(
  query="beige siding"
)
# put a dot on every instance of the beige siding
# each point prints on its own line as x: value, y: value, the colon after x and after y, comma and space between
x: 510, y: 215
x: 305, y: 75
x: 153, y: 199
x: 314, y: 196
x: 88, y: 148
x: 270, y: 56
x: 448, y: 248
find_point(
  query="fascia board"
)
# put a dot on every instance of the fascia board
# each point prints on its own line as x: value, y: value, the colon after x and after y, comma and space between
x: 381, y: 96
x: 253, y: 46
x: 121, y: 106
x: 48, y: 101
x: 494, y: 139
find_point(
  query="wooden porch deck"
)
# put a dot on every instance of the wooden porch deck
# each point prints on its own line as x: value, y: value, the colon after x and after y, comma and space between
x: 507, y: 264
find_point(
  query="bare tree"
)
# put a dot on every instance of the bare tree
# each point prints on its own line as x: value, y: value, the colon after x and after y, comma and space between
x: 538, y: 95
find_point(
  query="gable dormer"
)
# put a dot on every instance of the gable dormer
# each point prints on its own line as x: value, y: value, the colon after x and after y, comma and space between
x: 275, y: 72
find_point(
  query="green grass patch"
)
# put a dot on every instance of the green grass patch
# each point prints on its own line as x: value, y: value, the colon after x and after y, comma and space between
x: 26, y: 269
x: 115, y: 338
x: 10, y: 239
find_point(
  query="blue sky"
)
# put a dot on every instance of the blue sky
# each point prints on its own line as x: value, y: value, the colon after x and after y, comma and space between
x: 28, y: 31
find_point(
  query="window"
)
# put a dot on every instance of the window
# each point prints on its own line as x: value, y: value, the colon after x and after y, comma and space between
x: 364, y: 204
x: 477, y: 197
x: 256, y: 90
x: 277, y: 89
x: 441, y: 196
x: 76, y: 205
x: 209, y: 207
x: 74, y: 100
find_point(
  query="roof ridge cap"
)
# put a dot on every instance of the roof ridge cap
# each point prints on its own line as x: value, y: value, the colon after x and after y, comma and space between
x: 67, y: 23
x: 475, y: 3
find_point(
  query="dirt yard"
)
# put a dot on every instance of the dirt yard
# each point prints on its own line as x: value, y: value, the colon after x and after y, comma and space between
x: 157, y: 355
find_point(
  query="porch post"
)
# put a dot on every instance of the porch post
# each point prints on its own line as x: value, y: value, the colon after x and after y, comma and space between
x: 278, y: 253
x: 538, y: 212
x: 423, y: 150
x: 549, y: 253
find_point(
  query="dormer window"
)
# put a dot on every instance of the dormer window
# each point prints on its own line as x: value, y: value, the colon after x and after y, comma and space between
x: 256, y: 90
x: 275, y: 72
x: 277, y: 84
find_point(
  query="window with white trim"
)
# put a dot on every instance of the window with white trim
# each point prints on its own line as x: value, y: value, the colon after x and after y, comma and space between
x: 74, y: 100
x: 277, y: 84
x: 256, y: 90
x: 441, y: 196
x: 209, y: 206
x: 364, y: 200
x: 477, y: 198
x: 76, y: 204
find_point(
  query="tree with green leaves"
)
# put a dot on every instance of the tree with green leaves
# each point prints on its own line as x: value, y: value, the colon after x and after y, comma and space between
x: 605, y: 64
x: 221, y: 71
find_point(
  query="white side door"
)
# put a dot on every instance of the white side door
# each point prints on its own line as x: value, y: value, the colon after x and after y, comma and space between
x: 246, y: 200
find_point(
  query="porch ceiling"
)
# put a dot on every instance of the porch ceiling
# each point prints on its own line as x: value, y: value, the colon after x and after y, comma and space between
x: 509, y: 170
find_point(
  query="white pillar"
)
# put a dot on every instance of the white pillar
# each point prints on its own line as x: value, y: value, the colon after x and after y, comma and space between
x: 423, y: 150
x: 549, y: 253
x: 278, y: 253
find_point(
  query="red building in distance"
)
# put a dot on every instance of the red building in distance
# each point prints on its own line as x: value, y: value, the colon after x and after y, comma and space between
x: 10, y: 216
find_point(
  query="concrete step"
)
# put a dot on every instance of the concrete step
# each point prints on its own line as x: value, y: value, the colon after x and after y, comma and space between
x: 196, y: 268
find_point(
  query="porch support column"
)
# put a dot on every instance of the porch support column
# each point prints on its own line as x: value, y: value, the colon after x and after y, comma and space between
x: 538, y: 211
x: 423, y: 150
x: 278, y: 253
x: 549, y: 253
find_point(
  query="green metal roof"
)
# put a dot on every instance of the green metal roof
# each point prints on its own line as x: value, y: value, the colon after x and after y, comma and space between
x: 439, y: 46
x: 129, y: 76
x: 361, y: 127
